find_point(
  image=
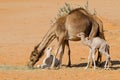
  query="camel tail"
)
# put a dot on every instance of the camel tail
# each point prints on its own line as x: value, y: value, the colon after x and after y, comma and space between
x: 100, y: 29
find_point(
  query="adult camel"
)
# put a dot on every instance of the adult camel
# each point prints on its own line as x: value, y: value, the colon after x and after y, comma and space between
x: 66, y: 28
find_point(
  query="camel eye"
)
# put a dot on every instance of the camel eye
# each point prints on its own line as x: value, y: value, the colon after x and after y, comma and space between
x: 48, y: 48
x: 34, y: 54
x: 32, y: 59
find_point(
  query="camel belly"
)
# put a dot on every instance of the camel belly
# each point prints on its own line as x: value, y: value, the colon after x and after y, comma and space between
x: 73, y: 38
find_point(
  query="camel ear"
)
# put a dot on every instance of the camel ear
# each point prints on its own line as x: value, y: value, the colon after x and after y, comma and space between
x: 78, y: 35
x: 50, y: 48
x: 36, y: 46
x: 87, y: 38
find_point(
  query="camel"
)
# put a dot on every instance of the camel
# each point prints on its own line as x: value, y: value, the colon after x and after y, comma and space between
x: 47, y: 39
x: 47, y: 61
x: 64, y: 29
x: 93, y: 44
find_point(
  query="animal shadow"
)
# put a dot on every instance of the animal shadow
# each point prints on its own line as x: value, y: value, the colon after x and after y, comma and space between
x: 76, y: 65
x: 115, y: 65
x: 79, y: 65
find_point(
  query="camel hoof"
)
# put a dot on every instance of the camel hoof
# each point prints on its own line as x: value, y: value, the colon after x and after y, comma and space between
x: 52, y: 68
x: 58, y: 68
x: 38, y: 66
x: 107, y: 68
x: 69, y: 66
x: 94, y: 68
x: 86, y: 68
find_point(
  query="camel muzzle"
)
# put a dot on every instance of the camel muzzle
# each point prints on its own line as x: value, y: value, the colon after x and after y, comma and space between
x: 30, y: 64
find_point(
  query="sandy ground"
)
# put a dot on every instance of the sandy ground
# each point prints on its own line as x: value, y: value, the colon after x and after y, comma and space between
x: 23, y: 23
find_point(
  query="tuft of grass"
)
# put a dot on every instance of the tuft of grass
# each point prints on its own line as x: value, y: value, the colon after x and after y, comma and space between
x: 95, y: 12
x: 10, y: 67
x: 86, y: 5
x: 62, y: 11
x: 66, y: 9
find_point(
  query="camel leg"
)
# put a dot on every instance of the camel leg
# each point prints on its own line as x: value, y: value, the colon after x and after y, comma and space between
x: 90, y: 64
x: 93, y: 58
x: 93, y: 33
x: 106, y: 62
x: 106, y: 66
x: 56, y: 52
x: 109, y: 62
x: 106, y: 53
x: 99, y: 58
x: 61, y: 39
x: 69, y: 59
x: 89, y: 58
x: 61, y: 54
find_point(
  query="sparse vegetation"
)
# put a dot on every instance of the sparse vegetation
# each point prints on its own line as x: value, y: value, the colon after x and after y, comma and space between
x: 10, y: 67
x: 86, y: 5
x: 62, y: 11
x: 67, y: 8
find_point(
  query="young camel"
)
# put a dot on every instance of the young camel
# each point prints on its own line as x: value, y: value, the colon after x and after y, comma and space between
x: 94, y: 44
x: 47, y: 61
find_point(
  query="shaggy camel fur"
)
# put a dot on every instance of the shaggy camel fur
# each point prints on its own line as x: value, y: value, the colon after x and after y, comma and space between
x: 47, y: 61
x: 93, y: 44
x: 64, y: 29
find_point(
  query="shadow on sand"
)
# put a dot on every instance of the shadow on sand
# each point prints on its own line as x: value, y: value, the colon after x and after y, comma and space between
x: 115, y: 65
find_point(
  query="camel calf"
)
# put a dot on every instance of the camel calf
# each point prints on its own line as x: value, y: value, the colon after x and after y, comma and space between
x: 47, y: 61
x: 94, y: 44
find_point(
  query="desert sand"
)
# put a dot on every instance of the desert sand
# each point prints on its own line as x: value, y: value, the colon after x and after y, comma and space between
x: 23, y: 23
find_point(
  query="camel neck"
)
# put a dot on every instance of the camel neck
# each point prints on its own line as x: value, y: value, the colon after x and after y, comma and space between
x: 48, y: 54
x: 47, y: 39
x: 84, y: 40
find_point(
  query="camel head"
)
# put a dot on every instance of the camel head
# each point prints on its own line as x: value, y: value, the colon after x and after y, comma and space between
x: 48, y: 51
x: 34, y: 56
x: 80, y: 34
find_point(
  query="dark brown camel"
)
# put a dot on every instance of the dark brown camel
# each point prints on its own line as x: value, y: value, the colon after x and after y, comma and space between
x: 65, y: 29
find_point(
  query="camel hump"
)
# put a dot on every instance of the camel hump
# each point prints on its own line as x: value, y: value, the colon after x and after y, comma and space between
x: 77, y: 9
x: 81, y: 11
